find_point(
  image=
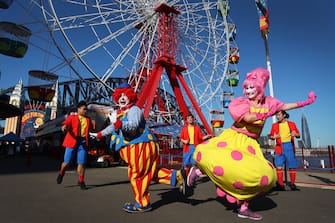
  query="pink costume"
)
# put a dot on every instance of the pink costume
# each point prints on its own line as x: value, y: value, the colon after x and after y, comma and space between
x: 233, y: 160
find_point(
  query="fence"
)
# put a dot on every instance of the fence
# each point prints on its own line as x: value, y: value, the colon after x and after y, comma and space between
x: 170, y: 155
x: 317, y: 158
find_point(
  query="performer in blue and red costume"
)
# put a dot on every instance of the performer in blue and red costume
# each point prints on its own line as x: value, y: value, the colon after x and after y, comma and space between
x: 138, y: 147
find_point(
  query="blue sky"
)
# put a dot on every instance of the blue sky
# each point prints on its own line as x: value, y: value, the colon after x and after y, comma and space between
x: 301, y: 51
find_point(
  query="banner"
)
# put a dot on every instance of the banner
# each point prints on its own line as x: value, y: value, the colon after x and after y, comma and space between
x: 263, y: 16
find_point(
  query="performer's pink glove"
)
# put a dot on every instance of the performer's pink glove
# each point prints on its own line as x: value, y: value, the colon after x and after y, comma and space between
x: 310, y: 100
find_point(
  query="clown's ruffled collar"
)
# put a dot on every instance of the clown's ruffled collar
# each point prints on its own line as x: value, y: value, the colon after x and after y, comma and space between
x: 126, y: 108
x: 122, y: 111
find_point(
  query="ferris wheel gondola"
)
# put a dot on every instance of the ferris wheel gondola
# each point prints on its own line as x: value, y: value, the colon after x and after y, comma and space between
x: 42, y: 85
x: 232, y: 78
x: 5, y: 4
x: 14, y: 39
x: 227, y: 98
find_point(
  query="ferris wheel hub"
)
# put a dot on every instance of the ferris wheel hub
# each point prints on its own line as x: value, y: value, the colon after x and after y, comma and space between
x: 166, y: 8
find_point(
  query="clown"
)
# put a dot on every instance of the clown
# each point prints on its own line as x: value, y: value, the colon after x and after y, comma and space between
x: 233, y: 160
x: 138, y: 147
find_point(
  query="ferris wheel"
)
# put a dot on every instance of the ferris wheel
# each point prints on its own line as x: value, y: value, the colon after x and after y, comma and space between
x: 186, y: 41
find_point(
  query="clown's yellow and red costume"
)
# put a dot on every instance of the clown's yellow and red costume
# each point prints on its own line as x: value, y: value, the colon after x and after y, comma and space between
x: 139, y: 148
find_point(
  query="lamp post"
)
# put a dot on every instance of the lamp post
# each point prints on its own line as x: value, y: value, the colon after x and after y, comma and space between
x: 263, y: 13
x: 268, y: 66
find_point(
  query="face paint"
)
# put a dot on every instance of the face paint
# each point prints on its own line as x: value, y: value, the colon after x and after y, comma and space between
x: 123, y: 101
x: 251, y: 92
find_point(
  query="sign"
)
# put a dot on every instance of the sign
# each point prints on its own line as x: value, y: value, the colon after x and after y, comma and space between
x: 31, y: 120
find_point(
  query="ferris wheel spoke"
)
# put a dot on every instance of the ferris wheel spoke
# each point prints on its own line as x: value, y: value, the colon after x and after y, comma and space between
x: 123, y: 55
x: 103, y: 41
x: 126, y: 52
x: 88, y: 18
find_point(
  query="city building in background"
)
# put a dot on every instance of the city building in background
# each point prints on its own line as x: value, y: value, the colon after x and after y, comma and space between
x: 15, y: 99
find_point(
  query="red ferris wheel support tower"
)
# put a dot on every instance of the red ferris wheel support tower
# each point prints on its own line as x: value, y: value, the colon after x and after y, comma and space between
x: 166, y: 48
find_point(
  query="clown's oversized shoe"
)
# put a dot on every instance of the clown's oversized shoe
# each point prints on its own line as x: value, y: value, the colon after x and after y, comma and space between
x: 136, y: 208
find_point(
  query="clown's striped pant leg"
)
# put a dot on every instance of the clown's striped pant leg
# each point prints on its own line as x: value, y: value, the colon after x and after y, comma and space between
x: 166, y: 176
x: 142, y: 163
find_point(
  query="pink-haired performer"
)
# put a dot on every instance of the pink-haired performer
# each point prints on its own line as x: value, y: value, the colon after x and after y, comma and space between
x: 233, y: 160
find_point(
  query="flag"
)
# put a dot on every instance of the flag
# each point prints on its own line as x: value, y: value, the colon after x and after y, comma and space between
x: 263, y: 15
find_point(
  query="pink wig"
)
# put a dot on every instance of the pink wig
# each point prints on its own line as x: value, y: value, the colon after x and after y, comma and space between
x: 257, y: 78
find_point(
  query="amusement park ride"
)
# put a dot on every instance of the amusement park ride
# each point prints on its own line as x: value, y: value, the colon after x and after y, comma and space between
x: 185, y: 48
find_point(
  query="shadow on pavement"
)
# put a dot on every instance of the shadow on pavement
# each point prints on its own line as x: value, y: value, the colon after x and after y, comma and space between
x: 174, y: 196
x: 260, y: 203
x: 322, y: 179
x: 169, y: 196
x: 92, y: 186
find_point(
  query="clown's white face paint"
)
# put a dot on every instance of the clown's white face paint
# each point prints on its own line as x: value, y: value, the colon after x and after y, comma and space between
x: 251, y: 92
x: 123, y: 101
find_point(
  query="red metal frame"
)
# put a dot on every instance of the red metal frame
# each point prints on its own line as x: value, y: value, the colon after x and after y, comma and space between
x: 167, y: 42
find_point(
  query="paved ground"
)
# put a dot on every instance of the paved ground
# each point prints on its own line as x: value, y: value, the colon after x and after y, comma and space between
x: 30, y: 194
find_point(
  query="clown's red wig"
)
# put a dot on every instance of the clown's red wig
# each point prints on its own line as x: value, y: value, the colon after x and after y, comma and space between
x: 129, y: 92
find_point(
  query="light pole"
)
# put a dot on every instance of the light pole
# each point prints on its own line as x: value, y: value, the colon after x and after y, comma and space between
x: 268, y: 65
x: 263, y: 12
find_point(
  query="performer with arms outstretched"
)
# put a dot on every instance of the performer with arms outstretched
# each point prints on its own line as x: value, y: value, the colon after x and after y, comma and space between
x: 234, y: 160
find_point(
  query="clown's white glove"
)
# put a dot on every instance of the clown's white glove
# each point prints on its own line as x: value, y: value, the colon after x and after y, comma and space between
x: 93, y: 135
x: 112, y: 117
